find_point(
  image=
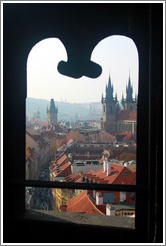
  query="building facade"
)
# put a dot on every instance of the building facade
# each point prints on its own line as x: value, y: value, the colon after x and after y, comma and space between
x: 116, y: 117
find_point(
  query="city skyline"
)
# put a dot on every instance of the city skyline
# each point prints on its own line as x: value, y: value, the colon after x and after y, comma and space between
x: 117, y: 55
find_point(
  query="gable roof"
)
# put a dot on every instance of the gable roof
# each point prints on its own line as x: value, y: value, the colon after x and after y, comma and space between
x: 61, y: 167
x: 119, y: 175
x: 130, y: 115
x: 75, y: 134
x: 106, y: 137
x: 58, y: 162
x: 72, y: 178
x: 82, y: 203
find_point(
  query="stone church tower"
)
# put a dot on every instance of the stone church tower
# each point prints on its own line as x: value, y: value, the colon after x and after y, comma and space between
x: 52, y: 112
x: 115, y: 119
x: 129, y: 103
x: 109, y: 109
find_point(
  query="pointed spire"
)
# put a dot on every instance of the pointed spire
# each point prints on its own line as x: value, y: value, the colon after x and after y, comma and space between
x: 116, y: 98
x: 129, y: 90
x: 109, y: 82
x: 129, y: 82
x: 109, y: 91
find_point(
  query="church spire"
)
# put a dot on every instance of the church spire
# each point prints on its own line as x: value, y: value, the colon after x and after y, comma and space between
x: 129, y: 91
x: 116, y: 97
x: 109, y: 90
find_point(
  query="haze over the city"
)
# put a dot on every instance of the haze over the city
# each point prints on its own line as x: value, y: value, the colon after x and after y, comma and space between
x: 117, y: 55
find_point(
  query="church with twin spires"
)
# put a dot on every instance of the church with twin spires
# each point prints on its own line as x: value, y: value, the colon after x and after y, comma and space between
x: 119, y: 117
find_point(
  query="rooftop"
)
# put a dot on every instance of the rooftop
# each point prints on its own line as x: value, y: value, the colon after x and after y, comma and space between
x: 130, y: 115
x: 119, y: 175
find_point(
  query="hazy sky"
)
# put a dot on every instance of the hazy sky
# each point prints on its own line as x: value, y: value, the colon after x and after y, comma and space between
x: 116, y: 54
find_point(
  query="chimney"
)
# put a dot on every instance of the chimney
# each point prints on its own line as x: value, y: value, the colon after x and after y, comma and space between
x: 108, y: 168
x: 99, y: 198
x: 110, y: 210
x: 105, y: 165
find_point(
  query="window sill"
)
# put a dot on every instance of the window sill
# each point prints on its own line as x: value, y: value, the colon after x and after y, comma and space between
x: 80, y: 218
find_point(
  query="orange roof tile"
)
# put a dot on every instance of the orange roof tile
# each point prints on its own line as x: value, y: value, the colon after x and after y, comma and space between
x: 130, y: 115
x: 106, y: 137
x: 61, y: 167
x: 119, y: 175
x: 70, y: 141
x: 75, y: 134
x: 72, y: 177
x: 64, y: 170
x: 82, y: 203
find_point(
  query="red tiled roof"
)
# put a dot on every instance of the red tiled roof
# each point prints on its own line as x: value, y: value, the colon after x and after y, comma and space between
x: 78, y: 180
x: 70, y: 141
x: 117, y: 176
x: 125, y: 135
x: 127, y: 115
x: 71, y: 178
x: 74, y: 134
x: 82, y: 203
x: 65, y: 170
x: 59, y: 161
x: 61, y: 167
x: 106, y: 137
x: 129, y: 137
x: 44, y: 123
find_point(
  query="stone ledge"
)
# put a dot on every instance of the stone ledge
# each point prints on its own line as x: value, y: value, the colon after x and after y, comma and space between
x: 80, y: 218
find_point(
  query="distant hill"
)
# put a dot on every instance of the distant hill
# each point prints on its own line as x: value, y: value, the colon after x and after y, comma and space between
x: 66, y: 111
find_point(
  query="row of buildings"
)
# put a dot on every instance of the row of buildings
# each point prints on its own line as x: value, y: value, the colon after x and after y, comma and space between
x: 41, y: 147
x: 87, y: 154
x: 117, y: 116
x: 105, y: 171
